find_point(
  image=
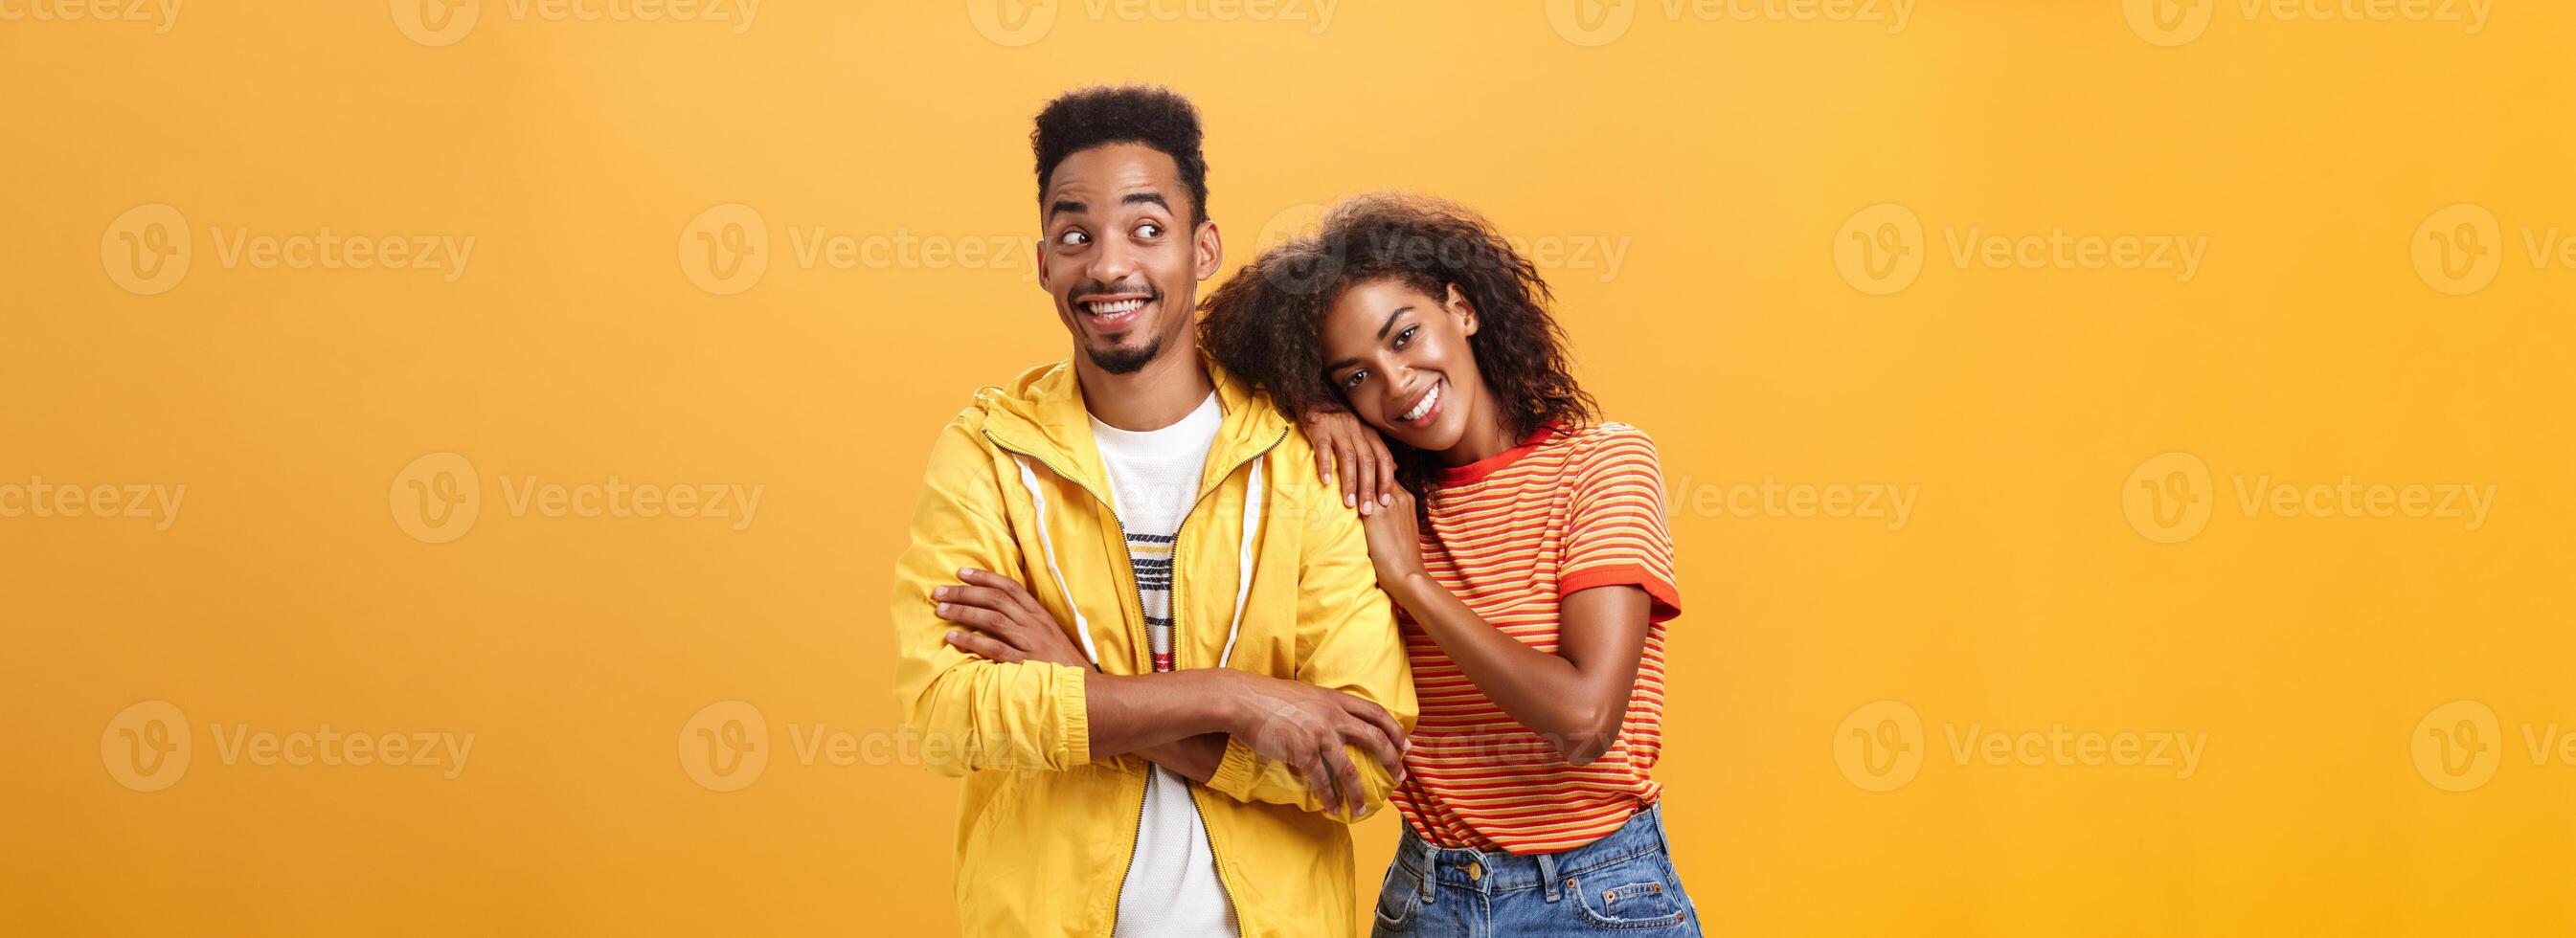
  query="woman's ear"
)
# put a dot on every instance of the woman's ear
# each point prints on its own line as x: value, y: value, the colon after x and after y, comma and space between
x: 1459, y: 307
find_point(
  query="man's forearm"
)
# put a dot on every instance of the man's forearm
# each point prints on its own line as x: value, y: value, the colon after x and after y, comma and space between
x: 1195, y: 758
x: 1136, y: 712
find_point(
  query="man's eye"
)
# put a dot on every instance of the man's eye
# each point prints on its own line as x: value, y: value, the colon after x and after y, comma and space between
x: 1405, y: 337
x: 1073, y: 238
x: 1149, y: 230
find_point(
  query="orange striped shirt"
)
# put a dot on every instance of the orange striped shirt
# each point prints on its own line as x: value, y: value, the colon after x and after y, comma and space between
x: 1512, y: 536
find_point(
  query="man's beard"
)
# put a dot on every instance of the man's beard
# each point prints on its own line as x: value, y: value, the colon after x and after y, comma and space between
x: 1119, y: 361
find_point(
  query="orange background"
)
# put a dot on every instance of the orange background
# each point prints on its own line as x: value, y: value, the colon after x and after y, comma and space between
x: 2033, y: 584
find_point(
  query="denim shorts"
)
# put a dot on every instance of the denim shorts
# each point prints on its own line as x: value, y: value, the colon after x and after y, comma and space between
x: 1620, y: 884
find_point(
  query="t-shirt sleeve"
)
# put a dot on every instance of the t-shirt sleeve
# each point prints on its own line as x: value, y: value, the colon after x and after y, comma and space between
x: 1615, y: 530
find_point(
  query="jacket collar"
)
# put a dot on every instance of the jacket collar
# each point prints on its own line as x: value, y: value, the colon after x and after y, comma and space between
x: 1041, y: 414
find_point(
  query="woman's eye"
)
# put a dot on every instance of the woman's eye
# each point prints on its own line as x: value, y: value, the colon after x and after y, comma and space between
x: 1405, y: 337
x: 1352, y: 381
x: 1149, y: 230
x: 1073, y: 238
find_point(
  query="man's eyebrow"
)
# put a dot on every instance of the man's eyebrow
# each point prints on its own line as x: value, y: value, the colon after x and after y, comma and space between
x: 1148, y: 197
x: 1066, y: 205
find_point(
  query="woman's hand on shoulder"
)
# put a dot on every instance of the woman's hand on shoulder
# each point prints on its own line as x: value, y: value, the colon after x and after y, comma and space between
x: 1352, y: 453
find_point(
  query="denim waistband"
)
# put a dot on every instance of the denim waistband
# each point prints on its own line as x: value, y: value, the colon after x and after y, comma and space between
x: 1494, y: 871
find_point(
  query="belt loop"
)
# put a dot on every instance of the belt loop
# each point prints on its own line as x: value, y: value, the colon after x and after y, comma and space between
x: 1547, y: 875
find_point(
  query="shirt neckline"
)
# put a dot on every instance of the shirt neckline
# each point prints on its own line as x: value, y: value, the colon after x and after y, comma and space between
x: 1478, y: 470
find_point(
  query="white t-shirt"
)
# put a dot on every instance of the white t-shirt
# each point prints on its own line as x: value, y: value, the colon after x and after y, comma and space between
x: 1171, y: 887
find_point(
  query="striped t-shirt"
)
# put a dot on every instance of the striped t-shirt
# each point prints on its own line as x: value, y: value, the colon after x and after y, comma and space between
x: 1570, y: 509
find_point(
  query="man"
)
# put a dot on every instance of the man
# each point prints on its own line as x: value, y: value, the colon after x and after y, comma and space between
x: 1157, y: 653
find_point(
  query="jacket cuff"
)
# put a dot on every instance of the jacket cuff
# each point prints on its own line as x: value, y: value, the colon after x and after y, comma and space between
x: 1234, y: 773
x: 1073, y: 715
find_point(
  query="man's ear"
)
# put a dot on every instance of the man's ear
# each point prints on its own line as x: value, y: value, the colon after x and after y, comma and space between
x: 1459, y: 307
x: 1038, y: 249
x: 1209, y: 249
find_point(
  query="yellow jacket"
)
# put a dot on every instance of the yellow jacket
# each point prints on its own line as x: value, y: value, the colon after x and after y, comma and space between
x: 1044, y: 832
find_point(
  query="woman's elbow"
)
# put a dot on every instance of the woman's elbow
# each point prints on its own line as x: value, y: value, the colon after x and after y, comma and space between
x: 1594, y: 736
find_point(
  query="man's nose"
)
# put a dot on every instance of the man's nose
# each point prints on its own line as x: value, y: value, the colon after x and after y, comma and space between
x: 1112, y: 263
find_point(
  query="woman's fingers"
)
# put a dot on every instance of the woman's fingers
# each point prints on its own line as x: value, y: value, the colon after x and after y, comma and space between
x: 986, y: 648
x: 1386, y: 488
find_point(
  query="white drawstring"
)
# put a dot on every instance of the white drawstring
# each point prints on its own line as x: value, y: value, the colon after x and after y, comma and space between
x: 1082, y: 627
x: 1243, y: 587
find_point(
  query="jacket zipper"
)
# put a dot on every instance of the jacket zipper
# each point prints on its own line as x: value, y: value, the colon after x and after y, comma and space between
x: 1214, y: 855
x: 1137, y: 841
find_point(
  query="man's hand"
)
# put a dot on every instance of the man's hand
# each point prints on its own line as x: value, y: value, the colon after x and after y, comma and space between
x: 1305, y: 727
x: 1013, y: 626
x: 1355, y: 452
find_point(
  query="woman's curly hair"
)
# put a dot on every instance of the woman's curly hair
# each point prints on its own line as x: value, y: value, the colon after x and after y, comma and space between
x: 1265, y: 324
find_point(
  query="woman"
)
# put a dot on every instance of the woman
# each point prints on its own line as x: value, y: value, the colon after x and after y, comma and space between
x: 1535, y: 577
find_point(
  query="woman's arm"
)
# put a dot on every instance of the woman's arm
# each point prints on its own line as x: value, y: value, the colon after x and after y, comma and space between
x: 1577, y: 698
